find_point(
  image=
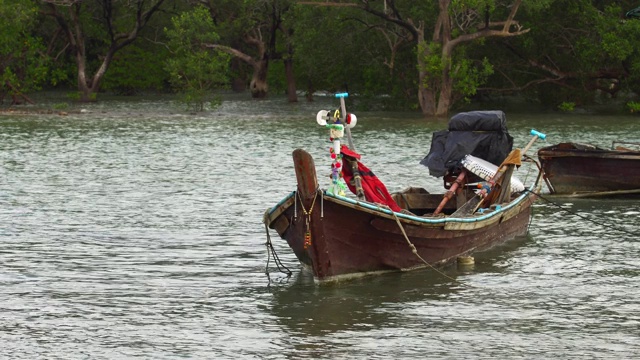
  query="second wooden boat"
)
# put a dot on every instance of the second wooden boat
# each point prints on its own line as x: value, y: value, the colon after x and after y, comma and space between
x: 583, y: 169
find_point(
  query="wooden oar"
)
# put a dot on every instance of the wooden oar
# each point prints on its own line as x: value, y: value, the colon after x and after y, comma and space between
x: 474, y: 203
x: 452, y: 190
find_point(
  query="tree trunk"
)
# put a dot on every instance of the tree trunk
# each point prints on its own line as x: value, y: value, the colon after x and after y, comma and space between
x: 258, y: 86
x: 446, y: 82
x: 444, y: 100
x: 428, y: 90
x: 238, y: 83
x: 89, y: 87
x: 292, y: 94
x: 309, y: 92
x: 426, y: 96
x: 443, y: 35
x: 84, y: 85
x: 73, y: 28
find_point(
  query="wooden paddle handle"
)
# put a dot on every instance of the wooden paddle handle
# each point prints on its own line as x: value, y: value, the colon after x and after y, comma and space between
x: 536, y: 135
x: 502, y: 169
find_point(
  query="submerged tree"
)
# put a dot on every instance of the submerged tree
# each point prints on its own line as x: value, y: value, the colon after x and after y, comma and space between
x: 99, y: 29
x: 338, y: 49
x: 579, y: 49
x: 248, y: 31
x: 455, y: 23
x: 195, y: 70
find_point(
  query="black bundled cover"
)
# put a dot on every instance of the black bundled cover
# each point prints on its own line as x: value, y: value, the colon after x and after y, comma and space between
x: 492, y: 120
x: 480, y: 133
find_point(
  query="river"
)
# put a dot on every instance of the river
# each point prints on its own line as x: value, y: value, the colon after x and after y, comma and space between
x: 133, y: 229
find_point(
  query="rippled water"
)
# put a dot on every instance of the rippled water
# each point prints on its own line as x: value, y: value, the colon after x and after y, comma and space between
x: 133, y: 230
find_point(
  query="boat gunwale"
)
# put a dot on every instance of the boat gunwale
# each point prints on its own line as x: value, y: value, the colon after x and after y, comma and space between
x: 388, y: 213
x: 564, y: 150
x: 606, y: 154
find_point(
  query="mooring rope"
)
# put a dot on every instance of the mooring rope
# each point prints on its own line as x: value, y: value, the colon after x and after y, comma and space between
x: 581, y: 216
x: 415, y: 251
x: 272, y: 251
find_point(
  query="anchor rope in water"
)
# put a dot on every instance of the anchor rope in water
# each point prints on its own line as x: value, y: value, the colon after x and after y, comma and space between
x: 272, y: 251
x: 581, y: 216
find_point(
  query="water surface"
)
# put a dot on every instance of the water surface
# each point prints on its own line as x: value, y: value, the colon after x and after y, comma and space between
x: 133, y: 230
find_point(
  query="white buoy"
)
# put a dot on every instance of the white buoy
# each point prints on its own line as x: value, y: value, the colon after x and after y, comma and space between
x: 321, y: 117
x: 352, y: 120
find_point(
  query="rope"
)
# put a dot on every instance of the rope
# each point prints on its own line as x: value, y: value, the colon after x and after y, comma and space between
x: 307, y: 213
x: 272, y: 251
x: 581, y: 216
x: 415, y: 251
x: 307, y: 233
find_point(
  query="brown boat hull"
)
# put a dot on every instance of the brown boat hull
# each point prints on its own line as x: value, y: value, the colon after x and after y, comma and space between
x: 349, y: 240
x: 339, y: 237
x: 574, y: 169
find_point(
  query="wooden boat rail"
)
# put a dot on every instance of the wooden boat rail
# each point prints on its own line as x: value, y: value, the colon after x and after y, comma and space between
x: 624, y: 148
x: 498, y: 213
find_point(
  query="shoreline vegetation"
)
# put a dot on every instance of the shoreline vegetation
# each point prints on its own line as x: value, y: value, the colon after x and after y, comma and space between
x: 434, y: 58
x: 58, y: 103
x: 18, y: 111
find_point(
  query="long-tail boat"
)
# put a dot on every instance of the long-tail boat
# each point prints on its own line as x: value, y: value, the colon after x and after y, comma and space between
x: 338, y: 236
x: 577, y: 169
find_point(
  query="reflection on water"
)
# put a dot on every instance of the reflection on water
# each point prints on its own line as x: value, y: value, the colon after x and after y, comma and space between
x: 306, y: 308
x: 133, y: 229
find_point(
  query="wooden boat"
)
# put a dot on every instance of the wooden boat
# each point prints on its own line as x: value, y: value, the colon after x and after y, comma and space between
x: 586, y: 170
x: 339, y: 237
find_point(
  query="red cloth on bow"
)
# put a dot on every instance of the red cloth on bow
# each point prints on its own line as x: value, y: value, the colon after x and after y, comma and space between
x: 374, y: 189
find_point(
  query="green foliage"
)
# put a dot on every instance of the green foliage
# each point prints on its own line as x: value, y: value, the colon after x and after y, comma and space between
x: 276, y: 78
x: 567, y: 106
x: 77, y: 96
x: 195, y: 70
x: 633, y: 106
x: 320, y: 61
x: 469, y: 75
x: 433, y: 64
x: 135, y: 68
x: 574, y: 50
x: 61, y: 106
x: 73, y: 96
x: 22, y: 67
x: 338, y: 49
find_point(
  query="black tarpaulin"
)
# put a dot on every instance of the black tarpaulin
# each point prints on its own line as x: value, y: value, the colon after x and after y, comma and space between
x: 480, y: 133
x: 491, y: 120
